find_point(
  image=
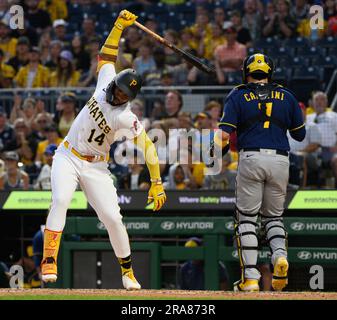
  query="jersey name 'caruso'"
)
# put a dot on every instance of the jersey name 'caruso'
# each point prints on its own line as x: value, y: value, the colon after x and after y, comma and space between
x: 99, y: 124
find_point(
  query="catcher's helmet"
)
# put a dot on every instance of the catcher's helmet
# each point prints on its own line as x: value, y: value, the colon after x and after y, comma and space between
x: 128, y: 81
x: 259, y: 66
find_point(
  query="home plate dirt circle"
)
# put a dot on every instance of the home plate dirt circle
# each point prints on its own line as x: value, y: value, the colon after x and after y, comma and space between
x: 163, y: 294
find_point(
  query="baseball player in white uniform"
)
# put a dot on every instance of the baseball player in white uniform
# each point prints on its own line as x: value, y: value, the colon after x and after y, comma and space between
x: 83, y: 155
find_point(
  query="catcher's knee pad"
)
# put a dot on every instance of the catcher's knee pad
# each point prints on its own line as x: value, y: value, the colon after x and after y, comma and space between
x: 276, y: 234
x: 246, y: 241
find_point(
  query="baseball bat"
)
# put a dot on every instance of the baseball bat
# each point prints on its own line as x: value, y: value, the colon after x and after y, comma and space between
x: 185, y: 55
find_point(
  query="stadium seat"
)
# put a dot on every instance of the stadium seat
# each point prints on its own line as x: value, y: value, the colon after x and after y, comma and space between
x: 266, y: 43
x: 233, y: 78
x: 279, y: 52
x: 328, y: 63
x: 292, y: 62
x: 328, y: 42
x: 304, y: 80
x: 310, y: 52
x: 281, y: 76
x: 298, y: 42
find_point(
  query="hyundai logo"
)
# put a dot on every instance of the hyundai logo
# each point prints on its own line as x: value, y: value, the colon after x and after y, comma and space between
x: 297, y: 226
x: 167, y: 225
x: 304, y: 255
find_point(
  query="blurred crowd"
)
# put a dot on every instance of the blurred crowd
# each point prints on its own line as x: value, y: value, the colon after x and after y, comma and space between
x: 61, y: 39
x: 58, y: 48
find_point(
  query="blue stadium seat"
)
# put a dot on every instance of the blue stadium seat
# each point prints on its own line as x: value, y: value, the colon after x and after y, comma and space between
x: 279, y: 52
x: 266, y: 43
x: 305, y: 80
x: 298, y: 42
x: 328, y: 63
x: 233, y: 78
x: 328, y: 42
x: 310, y: 52
x: 281, y: 75
x: 292, y: 62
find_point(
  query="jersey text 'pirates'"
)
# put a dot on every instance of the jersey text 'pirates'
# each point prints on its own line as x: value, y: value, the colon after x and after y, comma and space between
x: 99, y: 123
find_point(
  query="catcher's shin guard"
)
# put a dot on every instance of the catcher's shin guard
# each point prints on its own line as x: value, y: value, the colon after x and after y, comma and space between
x: 51, y: 245
x: 277, y: 239
x: 247, y: 244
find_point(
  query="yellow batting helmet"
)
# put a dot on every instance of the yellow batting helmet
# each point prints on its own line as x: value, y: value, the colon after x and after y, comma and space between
x: 259, y: 66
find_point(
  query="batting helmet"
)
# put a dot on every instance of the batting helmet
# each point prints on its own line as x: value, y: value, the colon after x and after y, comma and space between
x: 259, y: 66
x: 128, y: 81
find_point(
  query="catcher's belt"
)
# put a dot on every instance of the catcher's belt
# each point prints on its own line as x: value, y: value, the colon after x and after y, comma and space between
x: 85, y: 157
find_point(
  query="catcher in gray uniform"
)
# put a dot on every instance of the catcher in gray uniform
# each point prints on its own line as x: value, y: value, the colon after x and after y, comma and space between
x: 261, y: 112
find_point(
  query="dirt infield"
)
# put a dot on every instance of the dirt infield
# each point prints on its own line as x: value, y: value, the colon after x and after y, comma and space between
x: 97, y: 294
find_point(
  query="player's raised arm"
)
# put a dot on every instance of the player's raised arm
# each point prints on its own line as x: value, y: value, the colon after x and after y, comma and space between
x: 156, y: 192
x: 109, y: 51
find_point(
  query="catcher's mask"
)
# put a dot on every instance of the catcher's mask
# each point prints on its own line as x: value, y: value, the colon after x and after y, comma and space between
x: 128, y: 81
x: 258, y: 66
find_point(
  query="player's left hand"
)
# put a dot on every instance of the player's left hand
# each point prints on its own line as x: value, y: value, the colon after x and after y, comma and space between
x: 125, y: 19
x: 157, y: 195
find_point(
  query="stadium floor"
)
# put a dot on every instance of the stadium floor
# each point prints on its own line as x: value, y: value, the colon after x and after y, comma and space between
x: 103, y: 294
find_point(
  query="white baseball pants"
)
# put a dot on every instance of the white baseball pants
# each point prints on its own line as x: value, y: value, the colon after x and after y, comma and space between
x: 93, y: 177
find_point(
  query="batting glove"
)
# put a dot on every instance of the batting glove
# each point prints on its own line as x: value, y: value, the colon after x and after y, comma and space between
x: 157, y: 195
x: 125, y: 19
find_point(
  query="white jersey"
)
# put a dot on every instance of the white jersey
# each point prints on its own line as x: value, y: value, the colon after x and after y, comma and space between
x: 99, y: 124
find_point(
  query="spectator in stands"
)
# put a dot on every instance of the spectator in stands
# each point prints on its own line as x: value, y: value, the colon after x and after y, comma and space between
x: 7, y: 43
x: 232, y: 54
x: 6, y: 73
x: 7, y: 134
x: 326, y: 121
x: 43, y: 181
x: 137, y: 107
x: 144, y: 61
x: 4, y: 275
x: 81, y: 57
x: 219, y: 16
x: 29, y: 32
x: 187, y: 40
x: 22, y: 54
x: 214, y: 108
x: 14, y: 178
x: 65, y: 74
x: 25, y: 145
x: 177, y: 179
x: 34, y: 74
x: 4, y: 11
x: 180, y: 72
x: 208, y: 45
x: 44, y: 46
x: 133, y: 41
x: 60, y: 32
x: 202, y: 25
x: 172, y: 58
x: 300, y: 10
x: 88, y: 30
x: 138, y: 178
x: 281, y: 24
x: 224, y: 180
x: 57, y: 9
x: 243, y: 35
x: 304, y: 28
x: 27, y: 111
x: 252, y: 19
x: 94, y: 46
x: 55, y: 50
x: 42, y: 121
x: 67, y: 112
x: 330, y: 9
x: 37, y: 18
x: 153, y: 76
x: 173, y: 104
x: 191, y: 274
x: 53, y: 137
x: 305, y: 153
x: 89, y: 79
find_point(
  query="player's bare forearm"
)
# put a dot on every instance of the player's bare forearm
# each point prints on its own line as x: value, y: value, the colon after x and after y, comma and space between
x: 109, y: 51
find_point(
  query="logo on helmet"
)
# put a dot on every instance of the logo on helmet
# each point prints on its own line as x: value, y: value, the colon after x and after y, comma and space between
x: 133, y: 83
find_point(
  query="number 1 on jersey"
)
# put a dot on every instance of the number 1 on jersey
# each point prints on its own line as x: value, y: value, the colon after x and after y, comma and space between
x: 269, y: 107
x: 99, y: 139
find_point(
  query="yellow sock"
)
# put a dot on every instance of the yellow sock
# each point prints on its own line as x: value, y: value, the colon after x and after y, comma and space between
x: 51, y: 244
x: 125, y: 264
